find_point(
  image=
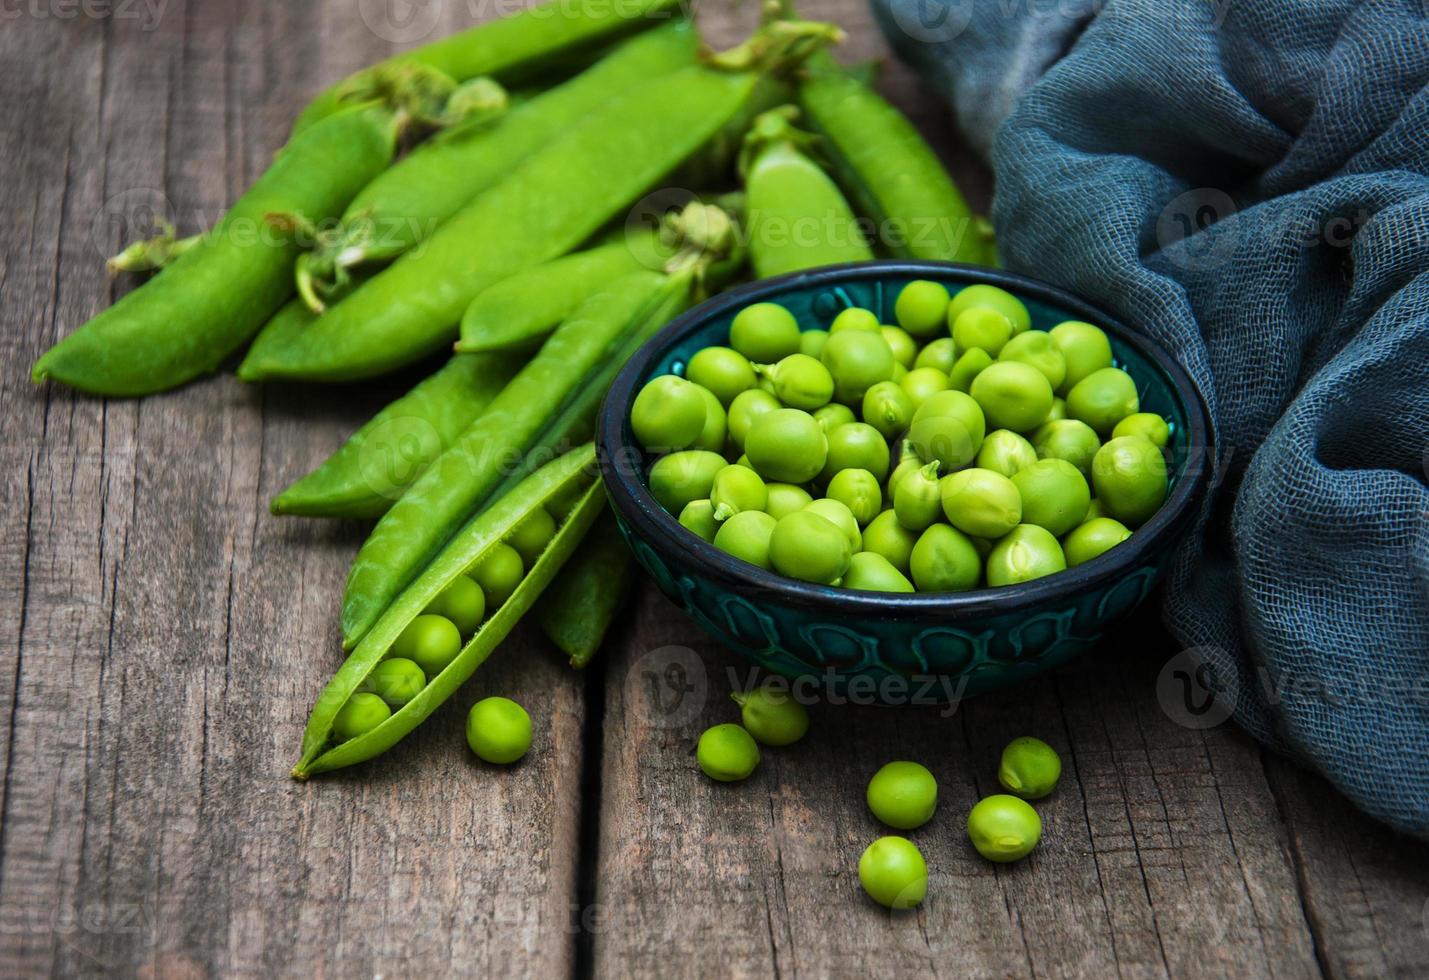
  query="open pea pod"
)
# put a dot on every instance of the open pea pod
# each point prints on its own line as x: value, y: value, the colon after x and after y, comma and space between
x: 547, y: 488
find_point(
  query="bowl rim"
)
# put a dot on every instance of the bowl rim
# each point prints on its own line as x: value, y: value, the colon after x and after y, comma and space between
x: 637, y: 506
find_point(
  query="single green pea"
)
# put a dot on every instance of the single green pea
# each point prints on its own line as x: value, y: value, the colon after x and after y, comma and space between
x: 727, y: 753
x: 917, y: 502
x: 809, y: 547
x: 871, y: 572
x: 1030, y: 768
x: 940, y: 355
x: 362, y: 713
x: 1092, y: 538
x: 855, y: 318
x: 967, y: 368
x: 858, y: 360
x: 1085, y: 348
x: 771, y: 715
x: 746, y: 536
x: 498, y: 730
x: 462, y: 602
x: 669, y: 413
x: 944, y: 560
x: 396, y: 681
x: 981, y: 327
x: 1004, y: 828
x: 785, y: 498
x: 1057, y: 411
x: 678, y: 478
x: 812, y: 342
x: 888, y: 408
x: 499, y: 573
x: 1027, y: 553
x: 1103, y: 398
x: 903, y: 469
x: 1129, y: 474
x: 1004, y: 451
x: 764, y: 333
x: 838, y: 513
x: 921, y: 307
x: 801, y: 381
x: 431, y: 642
x: 856, y: 446
x: 1054, y: 493
x: 859, y: 491
x: 699, y: 516
x: 531, y: 536
x: 904, y: 347
x: 887, y: 537
x: 923, y: 382
x: 948, y: 429
x: 1036, y: 348
x: 722, y: 370
x: 735, y: 489
x: 1149, y: 425
x: 833, y: 415
x: 1067, y: 439
x: 893, y: 873
x: 746, y: 407
x: 787, y: 446
x: 1012, y: 395
x: 992, y: 297
x: 903, y: 795
x: 981, y: 502
x: 712, y: 436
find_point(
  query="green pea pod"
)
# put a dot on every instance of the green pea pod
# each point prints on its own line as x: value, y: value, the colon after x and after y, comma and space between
x: 798, y: 219
x: 889, y: 171
x: 552, y: 203
x: 210, y: 299
x: 585, y: 598
x: 500, y: 47
x: 372, y: 469
x: 466, y: 549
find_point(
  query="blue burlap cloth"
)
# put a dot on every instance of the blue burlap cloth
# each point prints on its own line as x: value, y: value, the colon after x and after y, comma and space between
x: 1247, y: 182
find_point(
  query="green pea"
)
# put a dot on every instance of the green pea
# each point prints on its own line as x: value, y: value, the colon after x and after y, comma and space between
x: 969, y: 366
x: 809, y: 547
x: 940, y: 354
x: 812, y: 342
x: 917, y: 502
x: 736, y: 489
x: 1004, y: 828
x: 746, y: 407
x: 499, y: 573
x: 1030, y: 768
x: 1092, y: 538
x: 1057, y: 411
x: 948, y: 429
x: 1004, y: 451
x: 712, y: 436
x: 396, y: 681
x: 723, y: 371
x: 1012, y: 395
x: 858, y: 360
x: 699, y: 516
x: 1067, y: 439
x: 431, y: 642
x: 994, y: 298
x: 498, y: 730
x: 893, y: 872
x: 1085, y: 348
x: 921, y: 307
x: 888, y: 408
x: 462, y: 602
x: 859, y: 491
x: 1027, y: 553
x: 1103, y: 398
x: 771, y: 715
x: 362, y: 713
x: 983, y: 328
x: 856, y: 446
x: 1054, y: 493
x: 1036, y: 348
x: 669, y: 413
x: 904, y: 347
x: 855, y: 318
x: 902, y: 470
x: 838, y: 514
x: 787, y: 446
x: 764, y: 333
x: 678, y: 478
x: 1129, y: 474
x: 531, y: 536
x: 746, y: 536
x: 833, y: 415
x: 1094, y: 510
x: 980, y: 502
x: 923, y: 382
x: 944, y: 560
x: 903, y: 795
x: 887, y: 537
x: 899, y: 373
x: 727, y: 753
x: 1149, y: 425
x: 801, y: 381
x: 869, y: 571
x: 785, y: 498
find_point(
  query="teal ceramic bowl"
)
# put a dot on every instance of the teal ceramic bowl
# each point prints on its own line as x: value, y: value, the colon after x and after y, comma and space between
x: 881, y: 646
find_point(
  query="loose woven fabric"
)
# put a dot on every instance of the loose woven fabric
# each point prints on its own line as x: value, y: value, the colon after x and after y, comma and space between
x: 1245, y: 182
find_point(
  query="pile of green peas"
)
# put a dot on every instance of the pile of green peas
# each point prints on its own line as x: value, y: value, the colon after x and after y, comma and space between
x: 958, y: 449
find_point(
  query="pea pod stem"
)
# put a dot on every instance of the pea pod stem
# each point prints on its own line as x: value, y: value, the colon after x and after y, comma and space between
x: 152, y: 254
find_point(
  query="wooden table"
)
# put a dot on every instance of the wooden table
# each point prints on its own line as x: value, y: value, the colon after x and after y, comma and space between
x: 164, y: 638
